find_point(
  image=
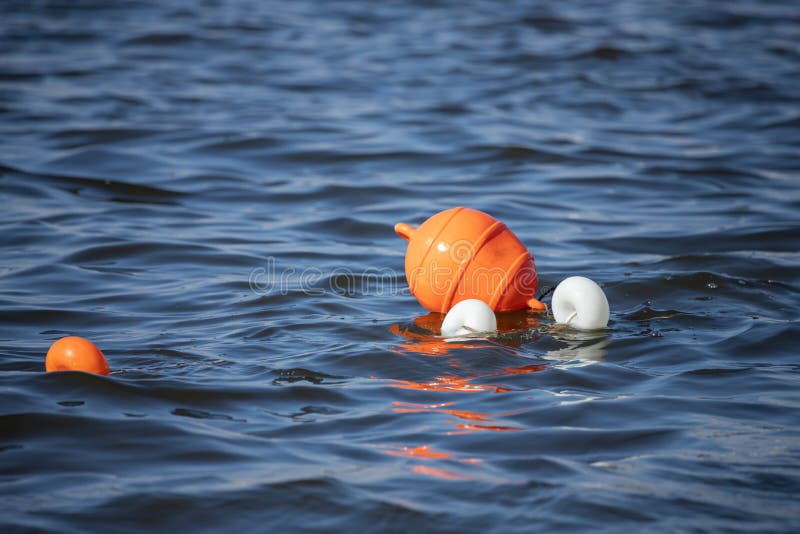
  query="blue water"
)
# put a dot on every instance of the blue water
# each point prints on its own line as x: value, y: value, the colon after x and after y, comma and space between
x: 207, y: 191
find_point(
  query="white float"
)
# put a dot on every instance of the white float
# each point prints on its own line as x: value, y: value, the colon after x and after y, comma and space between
x: 580, y: 303
x: 469, y: 317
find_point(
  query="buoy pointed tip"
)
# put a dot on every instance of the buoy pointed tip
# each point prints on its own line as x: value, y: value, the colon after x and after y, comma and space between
x: 404, y: 230
x: 537, y: 305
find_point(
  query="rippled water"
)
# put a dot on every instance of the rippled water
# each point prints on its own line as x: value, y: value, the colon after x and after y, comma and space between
x: 207, y: 191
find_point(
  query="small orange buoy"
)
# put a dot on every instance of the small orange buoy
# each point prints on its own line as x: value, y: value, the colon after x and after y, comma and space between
x: 76, y: 354
x: 461, y: 254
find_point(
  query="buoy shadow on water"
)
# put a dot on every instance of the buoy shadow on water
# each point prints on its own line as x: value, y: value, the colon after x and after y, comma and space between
x: 453, y: 374
x: 514, y: 330
x: 422, y: 336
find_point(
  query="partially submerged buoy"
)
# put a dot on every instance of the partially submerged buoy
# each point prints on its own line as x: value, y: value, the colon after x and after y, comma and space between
x: 461, y: 254
x: 580, y: 303
x: 469, y: 317
x: 75, y: 353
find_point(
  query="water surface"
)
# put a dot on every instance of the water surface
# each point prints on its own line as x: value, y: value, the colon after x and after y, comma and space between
x: 207, y: 191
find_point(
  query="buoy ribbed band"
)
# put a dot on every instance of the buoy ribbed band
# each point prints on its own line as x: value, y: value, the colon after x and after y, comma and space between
x: 494, y: 229
x: 434, y: 240
x: 511, y: 272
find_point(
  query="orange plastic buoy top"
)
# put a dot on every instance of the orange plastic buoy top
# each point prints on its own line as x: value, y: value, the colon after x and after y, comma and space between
x: 76, y: 354
x: 462, y: 253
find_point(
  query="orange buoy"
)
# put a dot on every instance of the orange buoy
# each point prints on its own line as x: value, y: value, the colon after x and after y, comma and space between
x: 74, y: 353
x: 461, y: 254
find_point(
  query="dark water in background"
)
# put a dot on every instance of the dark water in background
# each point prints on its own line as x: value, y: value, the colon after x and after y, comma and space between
x: 158, y: 157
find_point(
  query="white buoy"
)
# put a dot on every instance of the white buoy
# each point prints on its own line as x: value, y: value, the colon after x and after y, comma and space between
x: 580, y: 303
x: 468, y: 317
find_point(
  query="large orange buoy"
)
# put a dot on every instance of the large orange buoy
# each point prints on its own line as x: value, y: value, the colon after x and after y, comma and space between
x: 76, y: 354
x: 461, y: 254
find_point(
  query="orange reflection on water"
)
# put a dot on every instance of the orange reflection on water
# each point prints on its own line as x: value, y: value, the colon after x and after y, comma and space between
x: 525, y: 369
x: 422, y: 337
x: 424, y: 344
x: 467, y: 415
x: 421, y: 340
x: 423, y: 451
x: 465, y: 385
x: 444, y: 383
x: 420, y: 408
x: 438, y: 473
